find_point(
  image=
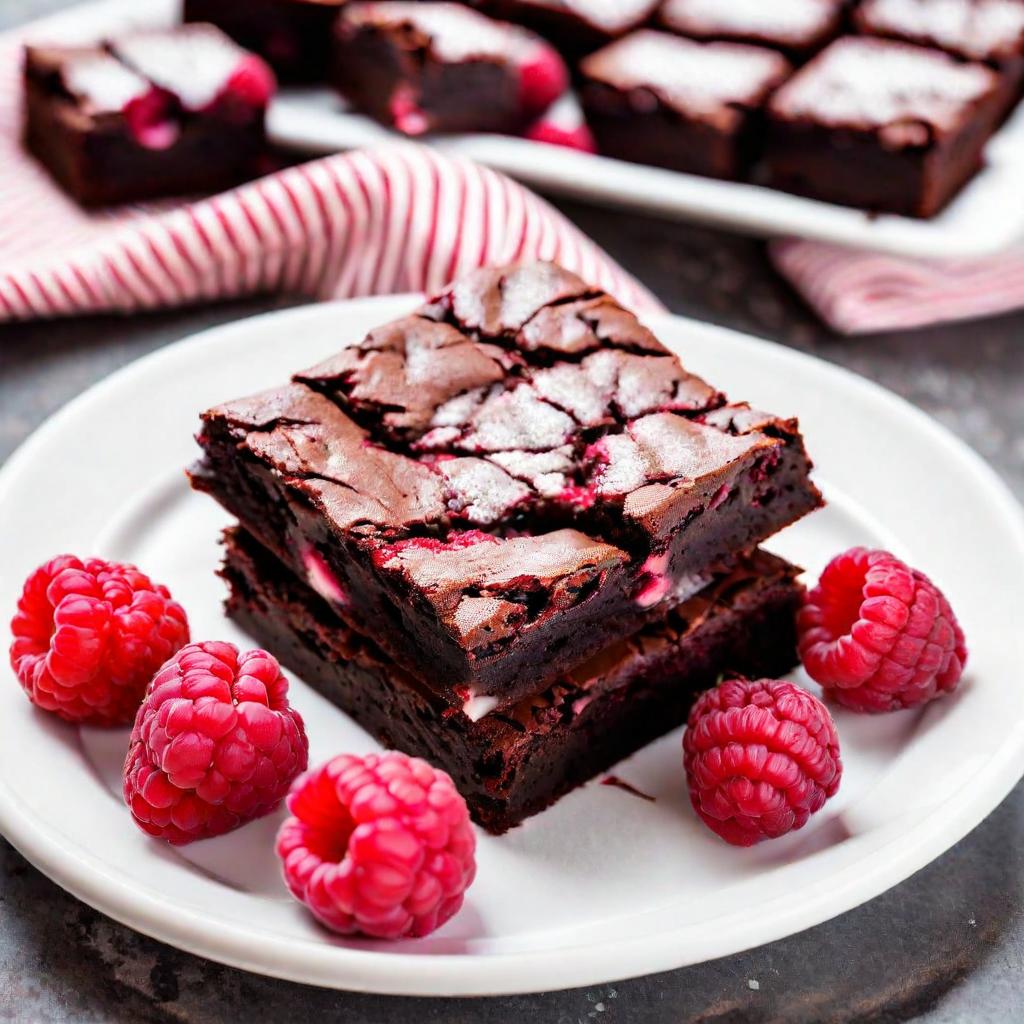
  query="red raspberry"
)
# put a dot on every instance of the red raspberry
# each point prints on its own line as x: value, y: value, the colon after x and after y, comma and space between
x: 578, y: 137
x: 152, y: 119
x: 379, y: 844
x: 215, y: 744
x: 760, y: 757
x: 542, y: 79
x: 88, y: 637
x: 879, y: 635
x: 252, y: 83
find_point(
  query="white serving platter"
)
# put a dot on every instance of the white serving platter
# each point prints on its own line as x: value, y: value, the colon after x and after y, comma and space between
x: 986, y: 217
x: 603, y: 885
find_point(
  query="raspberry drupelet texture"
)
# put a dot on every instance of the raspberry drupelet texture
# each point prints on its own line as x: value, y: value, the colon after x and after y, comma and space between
x: 379, y: 845
x: 88, y: 636
x: 215, y: 744
x: 761, y: 757
x: 879, y: 635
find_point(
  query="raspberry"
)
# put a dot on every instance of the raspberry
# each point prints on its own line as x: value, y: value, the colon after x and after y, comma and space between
x: 542, y: 79
x: 379, y: 845
x: 151, y: 119
x: 760, y: 757
x: 578, y: 137
x: 252, y: 83
x: 879, y: 635
x: 215, y: 744
x: 88, y: 636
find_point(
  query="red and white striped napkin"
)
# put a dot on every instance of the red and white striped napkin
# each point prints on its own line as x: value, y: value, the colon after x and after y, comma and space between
x: 857, y: 292
x: 395, y: 218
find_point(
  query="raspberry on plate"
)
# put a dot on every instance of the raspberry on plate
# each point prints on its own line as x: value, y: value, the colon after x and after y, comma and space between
x: 761, y: 757
x: 879, y: 635
x: 379, y: 845
x: 215, y: 744
x: 88, y: 636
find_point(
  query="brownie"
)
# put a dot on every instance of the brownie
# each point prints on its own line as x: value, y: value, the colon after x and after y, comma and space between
x: 881, y: 125
x: 655, y: 98
x: 991, y: 31
x: 147, y: 114
x: 511, y: 764
x: 799, y: 28
x: 442, y: 67
x: 498, y: 481
x: 294, y: 36
x: 576, y: 27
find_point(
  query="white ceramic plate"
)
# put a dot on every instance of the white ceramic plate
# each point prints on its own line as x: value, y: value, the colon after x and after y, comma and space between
x: 986, y: 217
x: 603, y: 885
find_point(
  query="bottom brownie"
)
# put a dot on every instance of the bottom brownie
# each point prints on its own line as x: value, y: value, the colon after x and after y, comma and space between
x: 512, y: 764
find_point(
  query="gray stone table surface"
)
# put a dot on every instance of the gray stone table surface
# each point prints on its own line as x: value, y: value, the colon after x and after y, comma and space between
x: 946, y: 945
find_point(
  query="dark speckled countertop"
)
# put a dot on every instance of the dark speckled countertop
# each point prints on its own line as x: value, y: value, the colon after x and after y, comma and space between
x: 947, y: 945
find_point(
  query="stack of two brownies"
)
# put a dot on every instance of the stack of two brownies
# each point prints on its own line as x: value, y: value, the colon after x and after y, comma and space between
x: 509, y: 533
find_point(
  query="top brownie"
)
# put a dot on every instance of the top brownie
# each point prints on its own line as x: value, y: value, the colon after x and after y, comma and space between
x: 986, y: 30
x: 513, y: 474
x: 797, y: 27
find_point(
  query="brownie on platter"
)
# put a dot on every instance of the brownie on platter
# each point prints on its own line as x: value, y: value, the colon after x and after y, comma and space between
x: 990, y: 31
x: 147, y: 114
x: 442, y: 67
x: 881, y: 125
x: 512, y: 763
x: 656, y: 98
x: 294, y: 36
x: 799, y: 28
x: 575, y: 26
x: 493, y: 484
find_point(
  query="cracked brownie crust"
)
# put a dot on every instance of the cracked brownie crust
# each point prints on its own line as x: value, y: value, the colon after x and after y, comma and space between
x: 512, y: 763
x: 515, y: 472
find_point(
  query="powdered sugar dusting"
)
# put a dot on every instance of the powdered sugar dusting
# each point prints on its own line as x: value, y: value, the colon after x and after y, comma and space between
x: 877, y: 82
x: 194, y: 62
x: 700, y: 77
x: 456, y: 32
x: 481, y: 491
x: 103, y: 82
x: 974, y: 28
x: 778, y: 19
x: 610, y: 15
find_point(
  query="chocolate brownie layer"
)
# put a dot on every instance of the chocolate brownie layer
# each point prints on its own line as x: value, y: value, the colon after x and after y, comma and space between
x: 655, y: 98
x: 482, y: 485
x: 147, y: 114
x: 511, y: 764
x: 881, y: 125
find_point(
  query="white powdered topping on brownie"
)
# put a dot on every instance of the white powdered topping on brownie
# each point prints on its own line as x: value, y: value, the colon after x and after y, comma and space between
x: 777, y: 20
x: 456, y: 32
x: 481, y: 491
x: 608, y: 15
x: 102, y: 81
x: 546, y: 471
x: 194, y: 61
x: 697, y: 77
x: 875, y: 82
x: 973, y: 28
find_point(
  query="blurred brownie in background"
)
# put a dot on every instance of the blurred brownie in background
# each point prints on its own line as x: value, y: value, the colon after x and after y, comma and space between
x: 655, y: 98
x: 798, y: 28
x: 881, y: 125
x: 294, y: 36
x: 147, y: 114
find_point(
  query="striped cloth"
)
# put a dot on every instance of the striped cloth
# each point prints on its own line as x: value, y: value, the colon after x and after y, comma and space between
x: 858, y: 292
x: 396, y: 218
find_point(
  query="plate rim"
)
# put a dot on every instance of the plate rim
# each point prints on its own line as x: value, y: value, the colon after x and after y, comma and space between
x: 319, y: 963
